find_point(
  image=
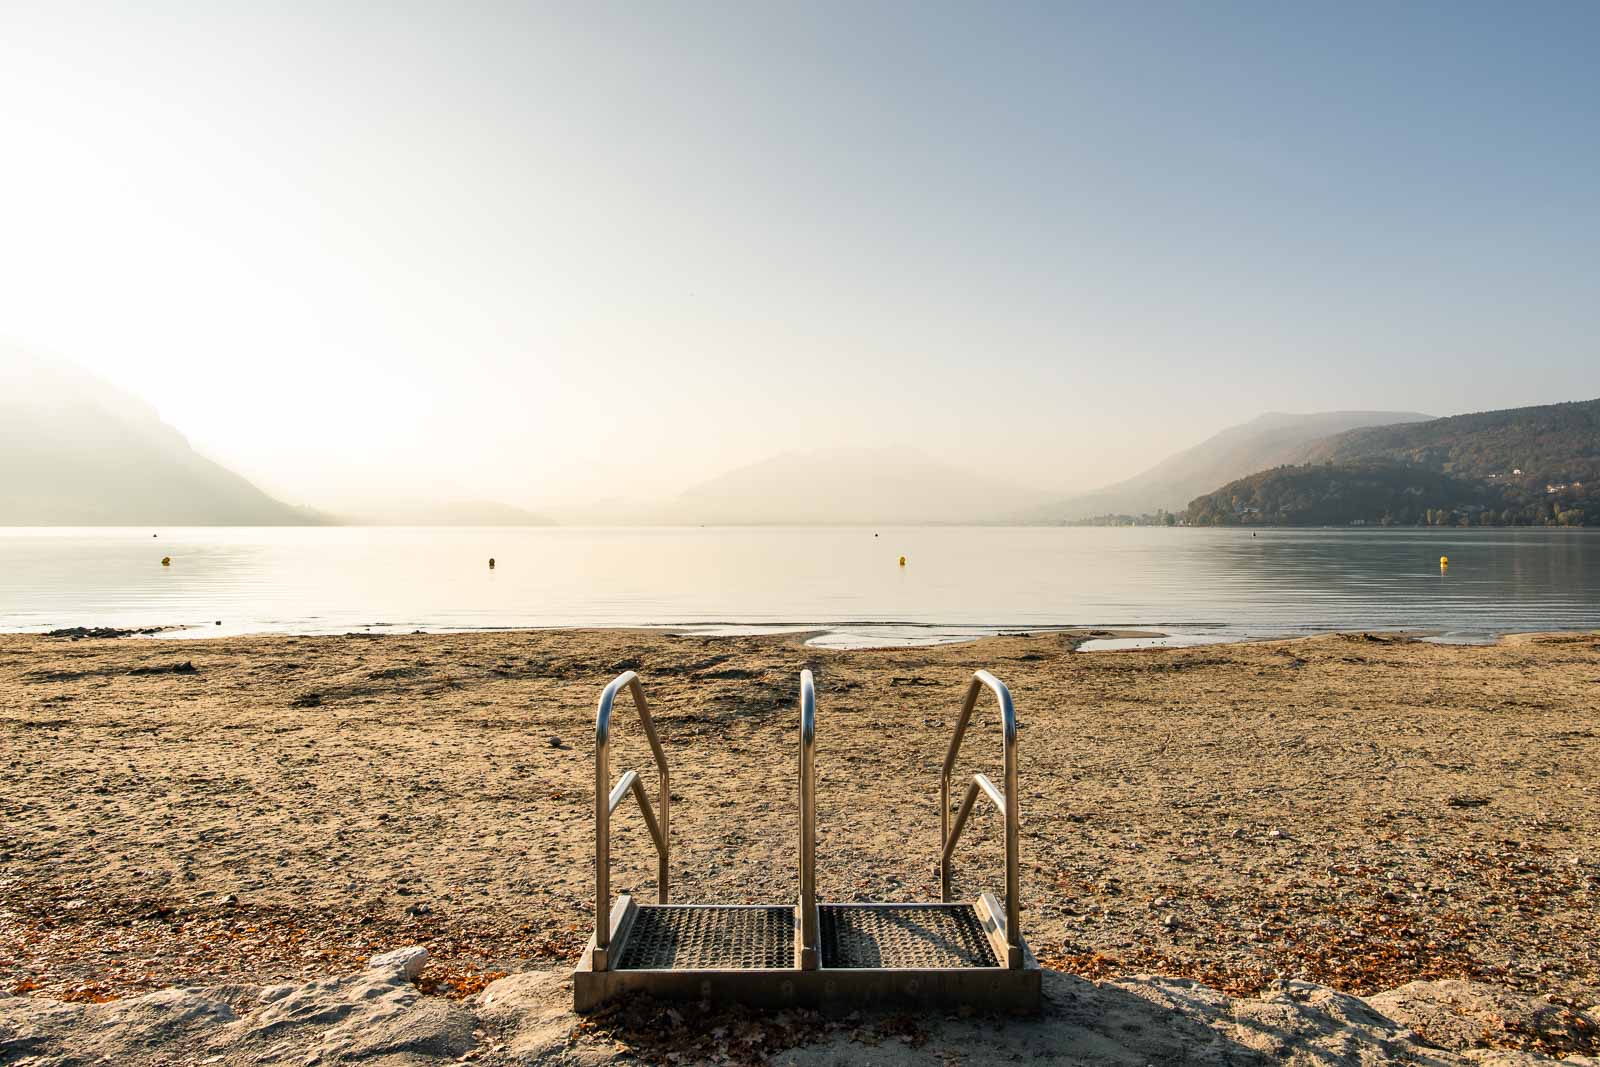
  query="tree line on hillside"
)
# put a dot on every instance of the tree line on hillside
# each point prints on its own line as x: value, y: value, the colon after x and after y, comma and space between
x: 1560, y: 443
x: 1389, y: 494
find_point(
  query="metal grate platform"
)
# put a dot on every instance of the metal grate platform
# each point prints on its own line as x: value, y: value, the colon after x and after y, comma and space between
x: 895, y: 956
x: 903, y: 936
x: 688, y: 937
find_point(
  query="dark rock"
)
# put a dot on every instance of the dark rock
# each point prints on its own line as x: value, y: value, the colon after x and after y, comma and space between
x: 78, y: 633
x: 186, y: 667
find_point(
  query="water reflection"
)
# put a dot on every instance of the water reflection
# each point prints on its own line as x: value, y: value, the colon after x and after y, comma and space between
x: 957, y: 582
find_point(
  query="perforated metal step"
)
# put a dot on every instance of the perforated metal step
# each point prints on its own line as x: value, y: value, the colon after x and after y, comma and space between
x: 695, y: 937
x: 903, y: 936
x: 868, y: 955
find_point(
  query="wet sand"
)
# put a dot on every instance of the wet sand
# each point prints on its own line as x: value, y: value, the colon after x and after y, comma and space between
x: 1354, y: 810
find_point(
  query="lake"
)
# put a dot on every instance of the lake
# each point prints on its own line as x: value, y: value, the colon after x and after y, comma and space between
x: 958, y: 582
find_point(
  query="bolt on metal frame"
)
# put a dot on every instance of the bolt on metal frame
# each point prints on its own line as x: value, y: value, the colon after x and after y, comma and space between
x: 1006, y: 801
x: 606, y: 799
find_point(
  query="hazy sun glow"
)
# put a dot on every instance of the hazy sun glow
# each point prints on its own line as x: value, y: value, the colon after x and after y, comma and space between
x: 549, y: 254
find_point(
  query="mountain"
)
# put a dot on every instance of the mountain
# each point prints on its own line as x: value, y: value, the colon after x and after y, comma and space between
x: 1272, y: 439
x: 1326, y: 494
x: 1550, y: 443
x: 1388, y: 494
x: 1523, y: 466
x: 76, y: 451
x: 858, y: 486
x: 444, y: 513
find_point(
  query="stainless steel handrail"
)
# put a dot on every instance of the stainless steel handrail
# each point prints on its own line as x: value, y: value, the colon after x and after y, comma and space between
x: 1006, y: 801
x: 606, y: 800
x: 808, y: 822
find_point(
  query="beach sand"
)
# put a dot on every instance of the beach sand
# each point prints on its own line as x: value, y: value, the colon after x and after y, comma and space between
x: 1354, y: 810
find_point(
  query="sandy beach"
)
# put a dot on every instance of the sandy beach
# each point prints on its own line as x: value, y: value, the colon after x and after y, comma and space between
x: 1355, y: 810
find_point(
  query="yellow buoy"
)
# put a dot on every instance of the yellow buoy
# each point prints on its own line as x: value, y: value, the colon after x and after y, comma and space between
x: 166, y: 561
x: 902, y: 561
x: 1444, y: 561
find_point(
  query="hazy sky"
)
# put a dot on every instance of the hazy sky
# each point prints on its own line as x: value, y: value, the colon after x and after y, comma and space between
x: 543, y: 252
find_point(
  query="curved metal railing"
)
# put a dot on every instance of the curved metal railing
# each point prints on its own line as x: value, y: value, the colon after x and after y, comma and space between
x: 606, y: 799
x: 1005, y: 800
x: 808, y: 823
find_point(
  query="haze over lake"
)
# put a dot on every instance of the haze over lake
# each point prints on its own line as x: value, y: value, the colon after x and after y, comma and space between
x: 957, y: 582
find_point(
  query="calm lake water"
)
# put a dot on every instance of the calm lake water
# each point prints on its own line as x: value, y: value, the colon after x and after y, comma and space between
x: 957, y: 582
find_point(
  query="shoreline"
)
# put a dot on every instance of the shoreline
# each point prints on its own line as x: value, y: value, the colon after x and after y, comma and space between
x: 836, y: 636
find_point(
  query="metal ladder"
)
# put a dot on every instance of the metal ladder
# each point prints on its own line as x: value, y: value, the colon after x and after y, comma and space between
x: 943, y: 954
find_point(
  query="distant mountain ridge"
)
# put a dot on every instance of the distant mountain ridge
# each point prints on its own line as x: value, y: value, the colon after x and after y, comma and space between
x: 443, y: 513
x: 76, y: 451
x: 1265, y: 441
x: 1535, y: 465
x: 843, y: 486
x: 1554, y: 442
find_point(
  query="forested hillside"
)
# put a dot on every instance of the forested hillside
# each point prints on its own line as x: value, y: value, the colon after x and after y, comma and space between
x: 1552, y: 443
x: 1385, y: 494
